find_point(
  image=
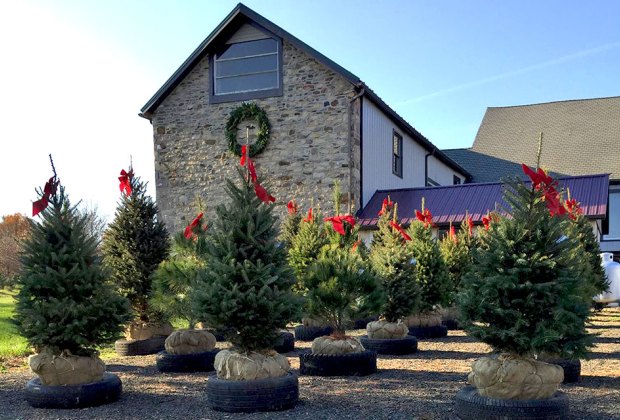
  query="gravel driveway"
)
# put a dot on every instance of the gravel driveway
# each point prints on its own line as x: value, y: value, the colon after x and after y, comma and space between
x: 418, y: 386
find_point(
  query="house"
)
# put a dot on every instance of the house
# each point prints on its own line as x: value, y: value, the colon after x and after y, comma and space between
x: 326, y: 125
x: 580, y: 137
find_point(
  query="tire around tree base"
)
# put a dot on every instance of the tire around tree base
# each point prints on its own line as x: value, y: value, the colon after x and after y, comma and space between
x: 421, y: 333
x: 395, y: 346
x: 451, y: 324
x: 195, y: 362
x: 350, y: 364
x: 303, y: 333
x: 470, y: 405
x: 285, y: 342
x: 270, y: 394
x: 92, y: 394
x: 572, y: 369
x: 140, y: 347
x: 360, y: 324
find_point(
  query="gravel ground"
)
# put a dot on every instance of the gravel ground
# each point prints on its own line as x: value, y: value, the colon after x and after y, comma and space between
x: 418, y: 386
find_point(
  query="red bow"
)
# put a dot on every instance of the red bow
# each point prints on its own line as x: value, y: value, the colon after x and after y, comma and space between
x: 250, y: 164
x: 125, y: 179
x: 426, y: 217
x: 49, y: 190
x: 470, y: 225
x: 355, y: 245
x: 337, y: 222
x: 291, y: 207
x: 573, y: 208
x: 262, y: 194
x: 538, y: 178
x: 189, y: 230
x: 453, y: 234
x: 386, y: 206
x: 309, y: 218
x: 486, y: 221
x: 401, y: 230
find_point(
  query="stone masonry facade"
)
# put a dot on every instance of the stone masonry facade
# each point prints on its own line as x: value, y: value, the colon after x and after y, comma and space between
x: 314, y: 141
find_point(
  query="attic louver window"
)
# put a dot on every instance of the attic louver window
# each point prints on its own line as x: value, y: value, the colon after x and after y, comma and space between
x: 247, y: 67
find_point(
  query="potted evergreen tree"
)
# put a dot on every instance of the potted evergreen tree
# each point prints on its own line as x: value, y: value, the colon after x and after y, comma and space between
x: 391, y: 260
x: 133, y: 246
x: 524, y: 296
x: 246, y: 286
x: 431, y: 277
x: 341, y: 288
x: 66, y: 309
x: 174, y: 281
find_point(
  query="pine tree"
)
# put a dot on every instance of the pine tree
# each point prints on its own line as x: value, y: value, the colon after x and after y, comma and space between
x: 291, y: 224
x: 246, y: 283
x: 390, y: 258
x: 431, y: 273
x: 524, y: 294
x: 305, y: 247
x: 64, y: 301
x: 176, y: 277
x: 134, y: 244
x: 456, y: 251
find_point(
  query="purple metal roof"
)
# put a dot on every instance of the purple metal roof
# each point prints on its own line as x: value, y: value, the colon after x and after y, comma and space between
x: 451, y: 203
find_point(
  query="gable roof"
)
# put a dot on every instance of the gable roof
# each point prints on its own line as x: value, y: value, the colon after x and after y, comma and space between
x: 579, y: 137
x: 242, y: 14
x: 450, y: 204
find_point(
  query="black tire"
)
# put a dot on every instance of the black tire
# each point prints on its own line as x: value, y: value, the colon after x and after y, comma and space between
x: 470, y: 405
x: 351, y: 364
x: 396, y: 346
x: 572, y: 369
x: 104, y: 391
x: 422, y: 333
x: 140, y: 347
x: 195, y: 362
x: 451, y: 324
x: 271, y: 394
x: 303, y: 333
x: 360, y: 324
x: 285, y: 342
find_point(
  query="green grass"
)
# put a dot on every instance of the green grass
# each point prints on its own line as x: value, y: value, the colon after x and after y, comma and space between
x: 11, y: 343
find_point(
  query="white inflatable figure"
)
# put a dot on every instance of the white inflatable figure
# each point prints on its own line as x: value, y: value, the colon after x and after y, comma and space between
x: 612, y: 270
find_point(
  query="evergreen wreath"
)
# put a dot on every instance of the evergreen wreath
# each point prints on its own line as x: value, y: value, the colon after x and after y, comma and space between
x: 242, y: 112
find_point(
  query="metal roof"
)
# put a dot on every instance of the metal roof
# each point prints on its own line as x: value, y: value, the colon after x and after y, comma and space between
x: 242, y: 14
x: 452, y: 203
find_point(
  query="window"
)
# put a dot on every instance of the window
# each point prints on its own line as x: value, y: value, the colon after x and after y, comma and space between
x: 247, y: 70
x: 613, y: 215
x: 397, y: 154
x: 456, y: 180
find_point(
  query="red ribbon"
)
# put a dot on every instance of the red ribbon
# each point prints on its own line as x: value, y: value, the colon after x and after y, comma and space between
x: 573, y: 208
x: 426, y: 217
x: 386, y: 206
x: 189, y: 229
x: 453, y: 234
x: 262, y: 194
x: 291, y: 207
x: 401, y: 230
x: 48, y: 190
x: 470, y: 225
x: 338, y: 222
x: 486, y: 221
x: 125, y: 179
x: 309, y: 217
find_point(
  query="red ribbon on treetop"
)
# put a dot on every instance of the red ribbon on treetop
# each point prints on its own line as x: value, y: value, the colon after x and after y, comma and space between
x: 386, y: 206
x: 309, y: 217
x: 125, y: 179
x: 291, y: 207
x: 338, y: 222
x: 486, y: 221
x: 49, y: 190
x: 573, y: 208
x: 426, y: 217
x: 399, y: 228
x: 453, y: 234
x: 540, y: 177
x: 189, y: 230
x: 470, y: 225
x: 543, y: 182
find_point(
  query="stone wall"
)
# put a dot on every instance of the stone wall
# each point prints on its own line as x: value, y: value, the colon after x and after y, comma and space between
x: 308, y: 150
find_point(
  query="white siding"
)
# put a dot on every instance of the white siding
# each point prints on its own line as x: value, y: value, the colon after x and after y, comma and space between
x: 246, y: 32
x: 377, y: 157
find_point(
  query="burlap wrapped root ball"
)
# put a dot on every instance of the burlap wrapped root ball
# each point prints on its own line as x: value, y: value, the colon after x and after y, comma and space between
x: 386, y: 330
x: 66, y: 368
x: 138, y: 330
x: 189, y: 342
x: 330, y: 345
x: 429, y: 319
x: 312, y: 322
x: 237, y: 366
x: 509, y: 377
x: 449, y: 313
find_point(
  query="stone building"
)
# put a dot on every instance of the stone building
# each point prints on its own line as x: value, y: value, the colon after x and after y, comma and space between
x: 326, y: 125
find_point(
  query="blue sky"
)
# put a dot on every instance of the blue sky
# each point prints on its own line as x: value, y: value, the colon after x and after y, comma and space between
x: 75, y: 73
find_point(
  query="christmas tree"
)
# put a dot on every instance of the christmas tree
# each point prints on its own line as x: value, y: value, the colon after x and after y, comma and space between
x: 246, y: 283
x: 64, y: 302
x: 524, y: 295
x: 431, y: 273
x: 176, y: 277
x: 456, y: 250
x: 392, y: 261
x: 134, y: 245
x: 291, y: 224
